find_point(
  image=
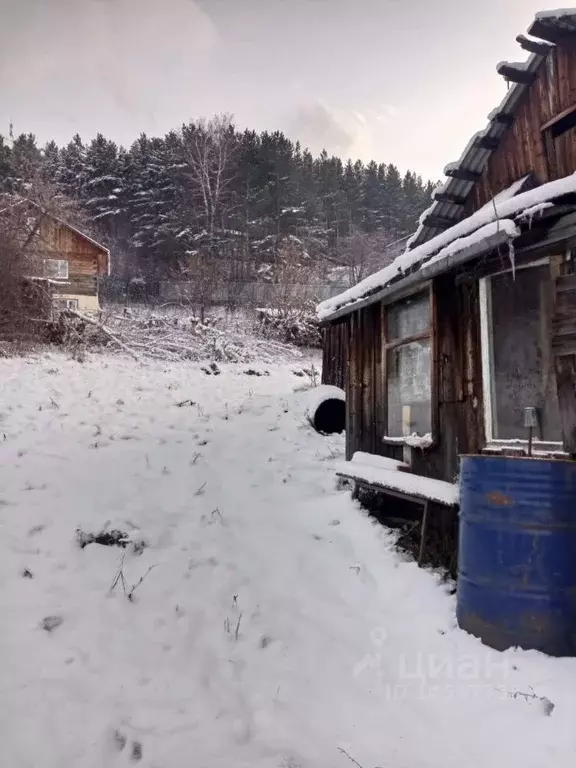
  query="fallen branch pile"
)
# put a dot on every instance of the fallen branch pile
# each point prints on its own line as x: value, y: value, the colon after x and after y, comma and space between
x: 290, y: 325
x: 170, y: 337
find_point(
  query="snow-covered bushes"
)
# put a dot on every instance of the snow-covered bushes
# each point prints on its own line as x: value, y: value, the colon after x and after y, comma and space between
x: 290, y: 325
x: 174, y: 335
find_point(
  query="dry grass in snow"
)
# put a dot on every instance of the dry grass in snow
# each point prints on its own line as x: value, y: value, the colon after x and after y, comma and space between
x: 248, y: 614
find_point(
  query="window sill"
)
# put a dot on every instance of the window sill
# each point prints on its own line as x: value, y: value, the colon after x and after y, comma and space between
x: 424, y: 442
x: 540, y: 449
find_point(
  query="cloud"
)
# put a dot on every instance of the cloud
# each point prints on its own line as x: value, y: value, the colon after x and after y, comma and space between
x: 318, y: 127
x: 82, y: 62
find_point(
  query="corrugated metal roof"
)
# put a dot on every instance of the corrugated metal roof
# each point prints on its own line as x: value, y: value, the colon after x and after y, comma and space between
x: 549, y: 26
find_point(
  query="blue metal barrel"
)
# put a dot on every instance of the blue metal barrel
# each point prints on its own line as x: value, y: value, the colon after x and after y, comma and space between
x: 517, y: 553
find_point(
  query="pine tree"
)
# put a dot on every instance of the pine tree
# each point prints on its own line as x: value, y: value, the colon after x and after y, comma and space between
x: 50, y: 162
x: 71, y: 175
x: 102, y: 184
x: 244, y: 201
x: 25, y: 160
x: 5, y: 165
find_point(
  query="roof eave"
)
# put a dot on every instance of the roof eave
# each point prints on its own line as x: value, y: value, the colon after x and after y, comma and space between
x: 422, y: 276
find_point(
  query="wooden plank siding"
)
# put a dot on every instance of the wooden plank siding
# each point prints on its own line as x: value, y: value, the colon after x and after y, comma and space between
x: 86, y: 260
x: 528, y: 147
x: 335, y: 354
x: 365, y: 401
x: 523, y: 149
x: 457, y: 411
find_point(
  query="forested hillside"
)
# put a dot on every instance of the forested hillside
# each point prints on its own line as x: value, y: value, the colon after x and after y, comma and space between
x: 209, y: 203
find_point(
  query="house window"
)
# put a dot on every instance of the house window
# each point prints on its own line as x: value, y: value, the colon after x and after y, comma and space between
x: 518, y: 366
x: 56, y: 269
x: 408, y: 367
x: 66, y: 303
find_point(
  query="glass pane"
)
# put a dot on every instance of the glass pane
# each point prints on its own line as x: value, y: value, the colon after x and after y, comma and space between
x: 409, y: 390
x: 523, y: 367
x: 409, y: 317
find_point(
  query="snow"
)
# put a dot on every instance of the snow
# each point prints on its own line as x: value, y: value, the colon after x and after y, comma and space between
x: 533, y: 211
x: 505, y: 194
x: 473, y: 228
x: 519, y: 65
x: 412, y: 441
x: 558, y: 13
x: 463, y: 243
x: 278, y: 626
x: 372, y: 460
x: 440, y: 189
x: 405, y: 482
x: 453, y: 166
x: 315, y: 397
x: 46, y: 280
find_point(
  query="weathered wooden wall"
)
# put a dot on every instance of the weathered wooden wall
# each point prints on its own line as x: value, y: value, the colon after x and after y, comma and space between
x: 365, y: 405
x: 335, y: 354
x: 457, y: 408
x: 522, y: 149
x: 86, y: 260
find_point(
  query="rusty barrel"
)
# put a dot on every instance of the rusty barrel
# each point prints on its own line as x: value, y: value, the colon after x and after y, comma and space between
x: 517, y: 553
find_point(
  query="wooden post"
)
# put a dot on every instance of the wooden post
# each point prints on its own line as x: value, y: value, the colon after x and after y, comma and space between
x: 423, y: 532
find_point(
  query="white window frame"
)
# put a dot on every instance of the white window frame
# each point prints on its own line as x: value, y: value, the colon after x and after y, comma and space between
x: 60, y: 266
x: 486, y: 347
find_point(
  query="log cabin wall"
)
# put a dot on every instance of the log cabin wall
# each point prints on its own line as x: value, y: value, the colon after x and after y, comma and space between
x: 56, y: 241
x: 365, y: 406
x: 335, y: 354
x: 527, y: 149
x: 457, y: 407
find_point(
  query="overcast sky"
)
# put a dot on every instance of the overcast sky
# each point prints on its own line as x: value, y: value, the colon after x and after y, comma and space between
x: 403, y: 81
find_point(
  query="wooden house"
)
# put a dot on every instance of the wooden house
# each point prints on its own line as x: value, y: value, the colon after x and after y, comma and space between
x: 55, y: 253
x: 442, y: 352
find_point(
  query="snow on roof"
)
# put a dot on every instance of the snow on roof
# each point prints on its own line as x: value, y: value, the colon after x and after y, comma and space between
x: 506, y: 194
x: 485, y: 222
x: 440, y: 189
x: 514, y: 64
x: 558, y: 13
x: 47, y: 280
x: 462, y: 243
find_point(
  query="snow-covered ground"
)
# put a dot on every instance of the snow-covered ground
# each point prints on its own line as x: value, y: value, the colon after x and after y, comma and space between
x: 277, y: 628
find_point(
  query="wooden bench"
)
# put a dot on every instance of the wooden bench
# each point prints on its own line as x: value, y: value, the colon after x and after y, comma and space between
x: 380, y: 475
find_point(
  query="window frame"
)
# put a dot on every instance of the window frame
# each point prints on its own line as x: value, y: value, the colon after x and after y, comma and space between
x: 426, y: 289
x: 553, y: 130
x: 494, y: 444
x: 59, y: 262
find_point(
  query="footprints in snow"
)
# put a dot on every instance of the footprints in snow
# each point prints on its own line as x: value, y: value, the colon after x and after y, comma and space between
x: 120, y: 742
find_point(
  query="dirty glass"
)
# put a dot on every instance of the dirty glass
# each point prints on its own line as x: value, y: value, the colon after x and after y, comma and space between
x: 408, y: 369
x: 409, y: 318
x: 521, y: 360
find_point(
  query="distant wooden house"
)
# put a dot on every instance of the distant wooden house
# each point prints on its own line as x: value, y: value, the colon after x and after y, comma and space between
x: 56, y: 254
x: 442, y: 352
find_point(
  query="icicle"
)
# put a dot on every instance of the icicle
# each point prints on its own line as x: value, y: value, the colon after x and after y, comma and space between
x: 512, y: 257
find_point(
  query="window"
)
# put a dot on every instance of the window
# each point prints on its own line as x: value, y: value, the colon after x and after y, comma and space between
x: 559, y: 135
x: 408, y: 367
x: 56, y: 269
x: 67, y: 303
x: 518, y: 366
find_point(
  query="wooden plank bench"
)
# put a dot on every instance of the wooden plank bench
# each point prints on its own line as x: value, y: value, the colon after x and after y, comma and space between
x: 381, y: 476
